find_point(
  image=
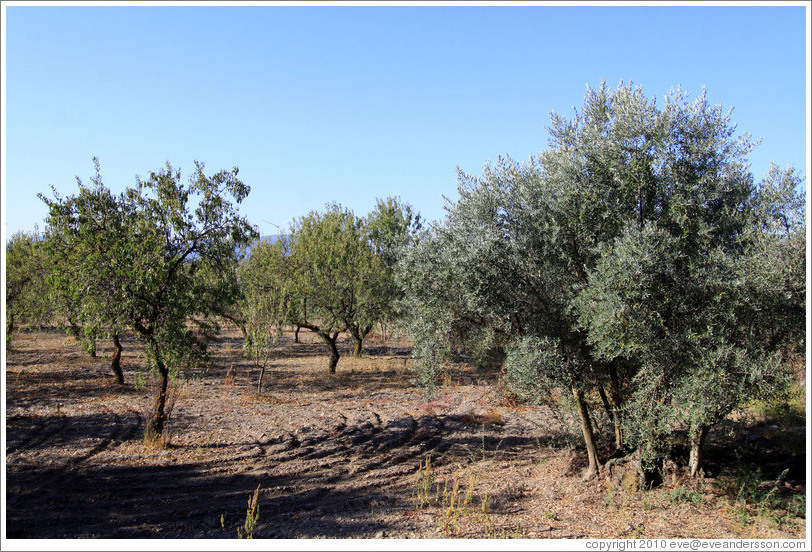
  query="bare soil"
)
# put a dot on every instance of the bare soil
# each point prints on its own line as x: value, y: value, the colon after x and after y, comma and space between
x: 340, y: 456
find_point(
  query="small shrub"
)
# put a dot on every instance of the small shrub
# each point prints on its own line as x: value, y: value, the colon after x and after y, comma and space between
x: 140, y: 382
x: 752, y: 496
x: 685, y: 495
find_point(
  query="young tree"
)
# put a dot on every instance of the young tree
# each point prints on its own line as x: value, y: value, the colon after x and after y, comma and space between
x: 267, y: 304
x: 150, y: 246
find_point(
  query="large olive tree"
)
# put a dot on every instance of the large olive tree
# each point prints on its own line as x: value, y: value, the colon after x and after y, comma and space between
x: 629, y: 199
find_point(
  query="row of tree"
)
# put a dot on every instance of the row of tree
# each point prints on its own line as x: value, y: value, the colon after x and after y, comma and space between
x: 168, y: 260
x: 634, y: 266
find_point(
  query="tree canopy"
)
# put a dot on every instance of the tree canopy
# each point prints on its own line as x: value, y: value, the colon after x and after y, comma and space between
x: 628, y: 257
x: 138, y: 260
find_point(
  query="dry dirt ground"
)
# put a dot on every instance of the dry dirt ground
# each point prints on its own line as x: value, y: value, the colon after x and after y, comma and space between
x: 361, y: 454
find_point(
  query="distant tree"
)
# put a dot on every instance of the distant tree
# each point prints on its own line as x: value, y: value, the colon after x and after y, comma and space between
x: 392, y: 227
x: 149, y: 248
x: 26, y: 290
x: 333, y: 273
x: 267, y: 302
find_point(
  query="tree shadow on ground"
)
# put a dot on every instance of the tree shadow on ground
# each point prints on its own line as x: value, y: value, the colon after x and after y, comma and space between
x: 187, y: 500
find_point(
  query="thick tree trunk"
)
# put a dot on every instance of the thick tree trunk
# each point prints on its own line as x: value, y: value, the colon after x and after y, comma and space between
x: 156, y: 425
x: 695, y: 454
x: 115, y: 364
x: 296, y: 334
x: 334, y: 355
x: 588, y: 432
x: 358, y: 348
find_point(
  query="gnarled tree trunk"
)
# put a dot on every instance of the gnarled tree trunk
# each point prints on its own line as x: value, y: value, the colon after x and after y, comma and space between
x: 359, y: 334
x: 334, y: 354
x: 695, y: 455
x: 156, y: 425
x: 115, y: 364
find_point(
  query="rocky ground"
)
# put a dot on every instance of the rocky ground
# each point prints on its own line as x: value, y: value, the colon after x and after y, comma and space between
x: 360, y: 454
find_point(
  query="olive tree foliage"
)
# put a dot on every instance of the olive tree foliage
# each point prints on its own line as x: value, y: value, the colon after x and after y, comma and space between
x: 391, y: 228
x: 150, y: 251
x: 26, y: 286
x: 84, y: 234
x: 266, y: 302
x: 632, y: 256
x: 706, y: 318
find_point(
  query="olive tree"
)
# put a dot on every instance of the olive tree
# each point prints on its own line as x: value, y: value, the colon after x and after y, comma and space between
x: 333, y: 273
x: 391, y: 228
x: 630, y: 199
x: 150, y: 248
x: 26, y: 285
x: 705, y: 315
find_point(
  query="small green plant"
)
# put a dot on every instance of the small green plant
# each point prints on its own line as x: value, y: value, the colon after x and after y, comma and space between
x: 453, y: 501
x: 140, y: 382
x: 796, y: 507
x: 251, y: 517
x: 454, y: 504
x: 752, y: 497
x: 425, y: 484
x: 685, y: 495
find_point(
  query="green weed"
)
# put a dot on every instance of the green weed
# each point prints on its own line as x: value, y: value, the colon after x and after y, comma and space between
x: 685, y: 495
x: 251, y: 517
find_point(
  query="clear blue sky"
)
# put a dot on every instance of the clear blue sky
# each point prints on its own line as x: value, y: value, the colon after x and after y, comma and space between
x: 320, y: 104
